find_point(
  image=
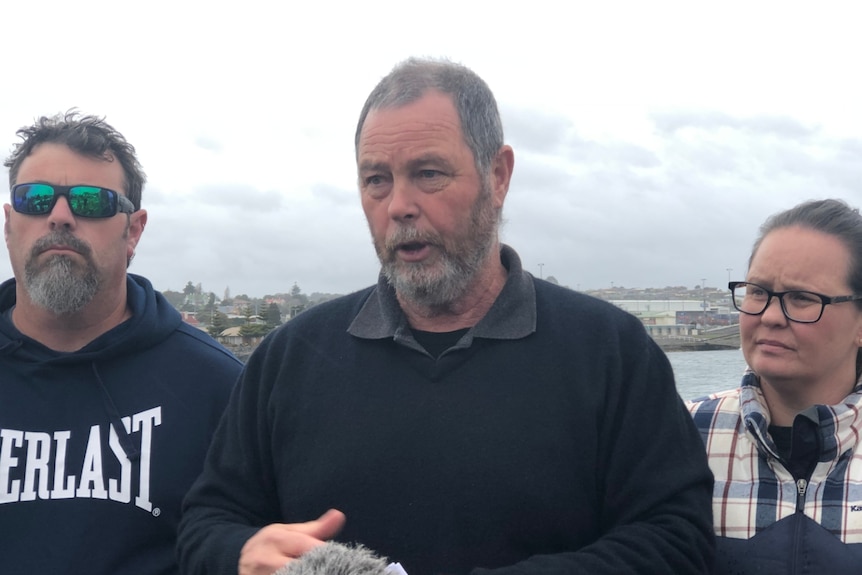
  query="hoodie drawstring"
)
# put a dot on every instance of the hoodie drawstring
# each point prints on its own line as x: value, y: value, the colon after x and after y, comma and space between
x: 10, y: 346
x: 132, y: 451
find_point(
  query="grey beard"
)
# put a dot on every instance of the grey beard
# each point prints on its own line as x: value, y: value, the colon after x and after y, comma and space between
x: 445, y: 287
x: 56, y: 287
x: 460, y: 265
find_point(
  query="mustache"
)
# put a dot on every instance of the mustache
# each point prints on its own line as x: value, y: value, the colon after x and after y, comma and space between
x: 409, y: 234
x: 59, y: 238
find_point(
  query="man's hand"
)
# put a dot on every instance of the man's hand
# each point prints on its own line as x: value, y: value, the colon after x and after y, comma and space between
x: 276, y: 545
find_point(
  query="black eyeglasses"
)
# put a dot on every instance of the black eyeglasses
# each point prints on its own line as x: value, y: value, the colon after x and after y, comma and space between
x: 797, y: 305
x: 84, y: 201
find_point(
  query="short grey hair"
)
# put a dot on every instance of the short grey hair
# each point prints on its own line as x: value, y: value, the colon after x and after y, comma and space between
x: 408, y: 81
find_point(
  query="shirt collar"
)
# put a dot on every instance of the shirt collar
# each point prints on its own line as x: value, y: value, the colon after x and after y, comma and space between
x: 512, y: 316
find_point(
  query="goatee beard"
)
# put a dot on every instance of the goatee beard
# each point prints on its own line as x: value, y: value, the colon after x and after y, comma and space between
x: 59, y: 284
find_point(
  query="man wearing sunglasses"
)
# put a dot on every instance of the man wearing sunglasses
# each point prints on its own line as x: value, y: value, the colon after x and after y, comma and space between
x: 107, y: 399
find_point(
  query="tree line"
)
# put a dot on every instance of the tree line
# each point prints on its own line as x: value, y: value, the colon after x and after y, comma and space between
x: 255, y: 317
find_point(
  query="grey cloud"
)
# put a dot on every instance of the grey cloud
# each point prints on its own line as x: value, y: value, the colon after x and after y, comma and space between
x: 536, y: 133
x: 237, y: 198
x: 335, y: 195
x: 668, y: 122
x: 844, y: 168
x: 690, y: 214
x: 297, y: 238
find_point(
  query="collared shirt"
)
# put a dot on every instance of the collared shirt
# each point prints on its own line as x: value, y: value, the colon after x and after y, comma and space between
x: 512, y: 316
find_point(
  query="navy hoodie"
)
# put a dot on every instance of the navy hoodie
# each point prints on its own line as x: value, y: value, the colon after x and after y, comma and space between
x: 99, y: 446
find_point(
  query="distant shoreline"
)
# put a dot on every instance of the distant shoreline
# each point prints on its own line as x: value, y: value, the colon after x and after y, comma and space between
x: 244, y: 352
x: 669, y: 345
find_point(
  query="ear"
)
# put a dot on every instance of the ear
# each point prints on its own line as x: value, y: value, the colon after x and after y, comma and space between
x: 6, y: 209
x: 501, y: 174
x: 857, y: 313
x: 137, y: 222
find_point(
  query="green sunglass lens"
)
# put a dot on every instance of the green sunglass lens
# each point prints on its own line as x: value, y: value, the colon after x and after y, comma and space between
x: 91, y: 202
x: 37, y: 199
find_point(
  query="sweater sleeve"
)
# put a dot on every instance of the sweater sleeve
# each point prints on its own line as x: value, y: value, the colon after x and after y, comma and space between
x: 657, y: 512
x: 235, y: 495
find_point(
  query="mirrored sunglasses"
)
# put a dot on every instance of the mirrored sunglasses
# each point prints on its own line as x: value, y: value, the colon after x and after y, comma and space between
x: 84, y: 201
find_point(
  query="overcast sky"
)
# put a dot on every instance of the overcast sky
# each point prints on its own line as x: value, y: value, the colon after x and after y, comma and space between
x: 651, y: 138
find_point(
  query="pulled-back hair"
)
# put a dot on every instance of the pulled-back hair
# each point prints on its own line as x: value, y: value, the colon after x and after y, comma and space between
x: 85, y: 135
x: 481, y: 126
x: 830, y: 216
x: 833, y: 217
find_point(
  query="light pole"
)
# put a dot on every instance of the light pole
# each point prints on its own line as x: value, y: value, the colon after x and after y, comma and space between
x: 541, y: 275
x: 728, y: 274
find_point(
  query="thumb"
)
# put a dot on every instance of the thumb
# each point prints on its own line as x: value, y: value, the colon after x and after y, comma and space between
x: 324, y: 527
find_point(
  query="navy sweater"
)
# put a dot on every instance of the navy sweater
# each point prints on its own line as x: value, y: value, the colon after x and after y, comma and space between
x: 565, y: 451
x: 99, y: 446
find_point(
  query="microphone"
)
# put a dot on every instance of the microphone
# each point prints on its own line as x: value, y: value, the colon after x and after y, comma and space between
x: 333, y: 558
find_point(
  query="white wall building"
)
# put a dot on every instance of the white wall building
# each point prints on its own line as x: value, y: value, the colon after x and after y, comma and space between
x: 636, y: 306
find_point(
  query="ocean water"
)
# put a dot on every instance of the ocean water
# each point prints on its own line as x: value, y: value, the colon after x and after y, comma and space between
x: 699, y: 373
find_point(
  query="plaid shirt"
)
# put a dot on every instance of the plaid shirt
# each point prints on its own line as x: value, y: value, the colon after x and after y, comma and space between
x: 753, y: 488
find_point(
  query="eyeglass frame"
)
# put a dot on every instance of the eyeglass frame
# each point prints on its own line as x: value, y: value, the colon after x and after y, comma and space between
x: 124, y: 205
x: 824, y: 300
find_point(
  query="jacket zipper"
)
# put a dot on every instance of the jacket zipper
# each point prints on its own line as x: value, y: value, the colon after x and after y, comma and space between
x: 801, y: 487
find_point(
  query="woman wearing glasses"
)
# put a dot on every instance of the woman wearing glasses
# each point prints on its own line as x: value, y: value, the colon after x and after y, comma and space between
x: 785, y: 446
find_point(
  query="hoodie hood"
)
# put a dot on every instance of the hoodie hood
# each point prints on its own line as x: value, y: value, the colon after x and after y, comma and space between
x: 153, y: 319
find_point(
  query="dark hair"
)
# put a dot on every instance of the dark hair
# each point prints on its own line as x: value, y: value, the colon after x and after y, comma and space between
x: 408, y: 81
x: 86, y: 135
x: 833, y: 217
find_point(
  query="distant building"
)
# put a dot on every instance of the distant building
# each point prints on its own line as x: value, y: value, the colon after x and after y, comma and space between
x: 232, y: 338
x: 190, y: 318
x: 678, y: 317
x: 637, y: 306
